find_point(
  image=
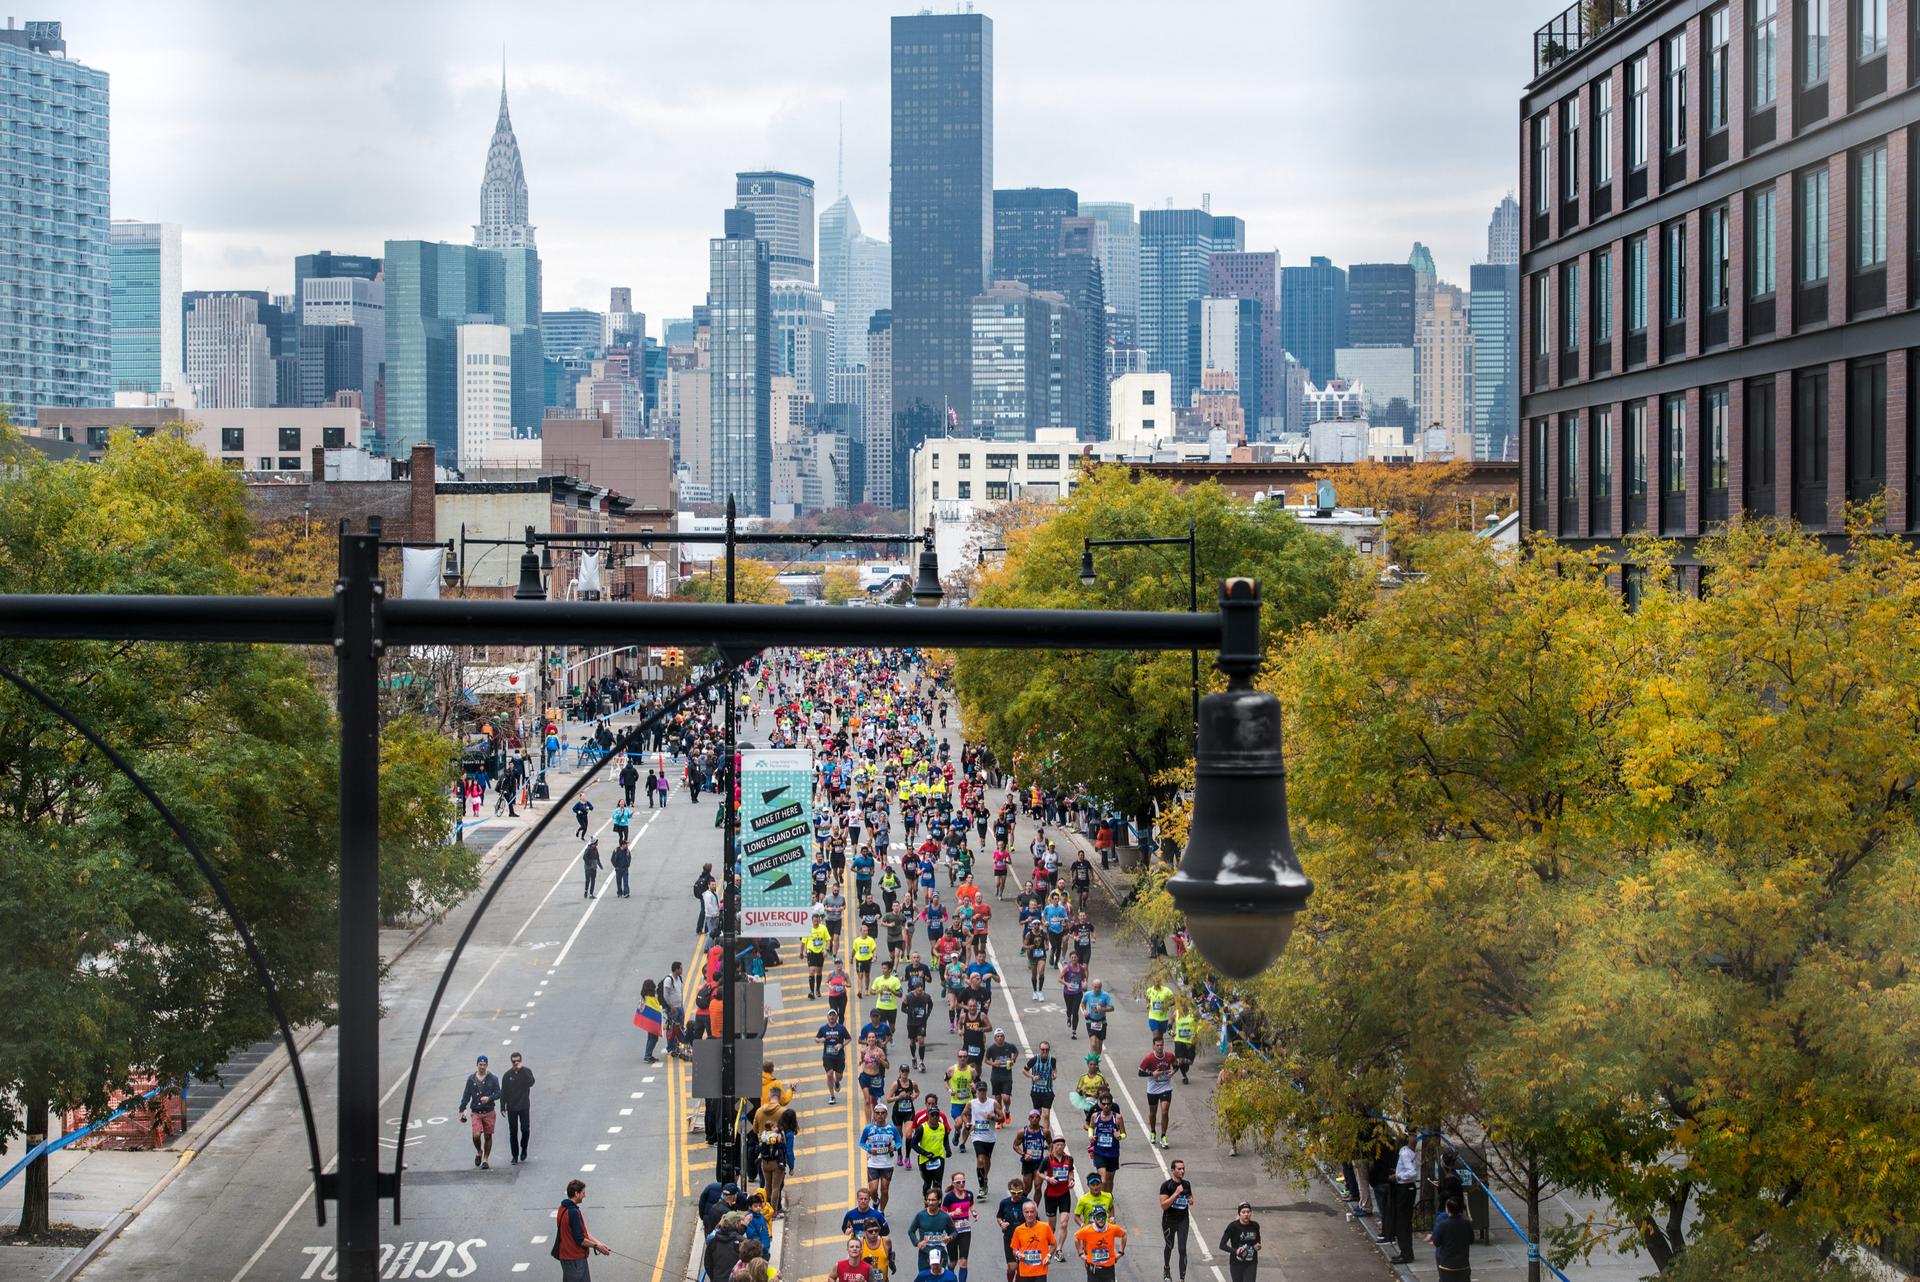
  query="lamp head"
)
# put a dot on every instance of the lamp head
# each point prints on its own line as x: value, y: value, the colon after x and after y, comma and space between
x: 1240, y: 883
x: 530, y: 587
x: 1087, y: 577
x: 927, y: 592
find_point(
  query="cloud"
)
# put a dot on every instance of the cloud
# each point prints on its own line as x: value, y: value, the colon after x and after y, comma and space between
x: 1348, y: 130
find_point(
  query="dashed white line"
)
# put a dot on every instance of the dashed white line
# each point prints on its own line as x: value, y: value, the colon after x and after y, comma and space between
x: 637, y: 1094
x: 523, y: 1266
x: 539, y: 1238
x: 615, y: 1130
x: 601, y: 1148
x: 587, y: 1167
x: 627, y: 1112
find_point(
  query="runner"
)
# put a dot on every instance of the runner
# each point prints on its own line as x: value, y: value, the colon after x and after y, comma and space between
x: 1098, y: 1199
x: 958, y: 1203
x: 1040, y: 1069
x: 981, y: 1124
x: 1095, y: 1007
x: 1102, y: 1246
x: 1009, y: 1216
x: 833, y: 1037
x: 1157, y: 1067
x: 1159, y: 1008
x: 865, y: 949
x: 880, y: 1139
x: 1030, y: 1145
x: 917, y: 1007
x: 1057, y: 1179
x: 932, y: 1228
x: 1241, y: 1242
x: 1186, y: 1027
x: 1033, y: 1243
x: 1176, y: 1212
x: 1107, y: 1129
x: 1000, y: 1057
x: 1073, y: 986
x: 815, y: 944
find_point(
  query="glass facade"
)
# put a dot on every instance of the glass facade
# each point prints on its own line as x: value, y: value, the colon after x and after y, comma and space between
x: 1313, y: 315
x: 738, y: 302
x: 55, y: 237
x: 1176, y: 252
x: 147, y: 340
x: 1493, y: 318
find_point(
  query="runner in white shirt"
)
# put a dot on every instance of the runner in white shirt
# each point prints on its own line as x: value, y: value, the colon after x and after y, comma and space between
x: 983, y: 1125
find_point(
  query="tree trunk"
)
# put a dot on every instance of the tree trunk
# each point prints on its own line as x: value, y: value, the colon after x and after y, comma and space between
x: 1533, y: 1219
x: 33, y: 1212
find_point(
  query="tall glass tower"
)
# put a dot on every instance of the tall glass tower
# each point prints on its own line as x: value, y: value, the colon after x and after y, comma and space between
x: 1176, y: 257
x: 782, y: 206
x: 55, y: 238
x: 738, y: 297
x: 147, y: 337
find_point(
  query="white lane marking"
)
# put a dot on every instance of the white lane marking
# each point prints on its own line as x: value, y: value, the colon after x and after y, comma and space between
x: 523, y: 1266
x: 514, y: 1029
x: 637, y: 1094
x: 626, y: 1112
x: 615, y: 1130
x: 539, y: 1238
x: 588, y: 1167
x: 1120, y: 1086
x: 601, y: 1148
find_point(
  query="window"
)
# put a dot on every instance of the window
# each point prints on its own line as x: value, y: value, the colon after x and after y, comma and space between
x: 1537, y: 473
x: 1813, y: 42
x: 1870, y: 29
x: 1719, y: 259
x: 1870, y: 207
x: 1600, y: 473
x: 1146, y: 424
x: 1570, y: 474
x: 333, y: 438
x: 1570, y: 148
x: 233, y: 440
x: 1146, y: 396
x: 1637, y: 113
x: 1757, y: 457
x: 1541, y: 158
x: 289, y: 439
x: 1673, y: 464
x: 965, y: 462
x: 1811, y: 215
x: 289, y: 464
x: 936, y: 489
x: 1541, y: 329
x: 1002, y: 462
x: 1673, y: 61
x: 1717, y: 66
x: 1603, y: 295
x: 996, y: 491
x: 1637, y: 285
x: 1673, y: 268
x: 1713, y: 444
x: 1763, y: 54
x: 1635, y: 447
x: 966, y: 490
x: 1810, y: 448
x: 936, y: 463
x: 1760, y: 244
x: 1043, y: 462
x: 266, y: 464
x: 1866, y: 430
x: 1570, y: 307
x: 1603, y: 131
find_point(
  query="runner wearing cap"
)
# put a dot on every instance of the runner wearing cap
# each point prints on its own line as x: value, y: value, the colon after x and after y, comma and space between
x: 1098, y: 1197
x: 1033, y: 1243
x: 881, y: 1140
x: 1030, y: 1145
x: 1009, y: 1215
x: 1057, y: 1181
x: 1102, y: 1244
x: 1041, y: 1069
x: 1000, y: 1056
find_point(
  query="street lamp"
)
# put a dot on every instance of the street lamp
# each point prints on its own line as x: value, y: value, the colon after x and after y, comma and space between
x: 530, y: 587
x: 1088, y: 579
x: 927, y: 592
x: 1240, y: 884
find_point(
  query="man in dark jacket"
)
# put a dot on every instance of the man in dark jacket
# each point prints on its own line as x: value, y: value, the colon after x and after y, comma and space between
x: 622, y: 860
x: 1452, y: 1239
x: 629, y: 781
x: 516, y: 1097
x: 480, y: 1096
x: 723, y: 1245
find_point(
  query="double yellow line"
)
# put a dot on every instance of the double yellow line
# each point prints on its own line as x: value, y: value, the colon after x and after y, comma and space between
x: 679, y: 1165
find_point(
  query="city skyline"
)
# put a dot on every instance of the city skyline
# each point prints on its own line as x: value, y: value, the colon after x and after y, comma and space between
x: 409, y: 135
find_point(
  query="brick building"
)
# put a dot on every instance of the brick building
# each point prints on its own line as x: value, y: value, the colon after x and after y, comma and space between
x: 351, y: 485
x: 1717, y: 262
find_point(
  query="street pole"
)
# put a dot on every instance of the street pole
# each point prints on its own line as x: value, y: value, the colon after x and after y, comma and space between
x: 726, y: 1167
x: 1193, y: 607
x: 358, y: 1184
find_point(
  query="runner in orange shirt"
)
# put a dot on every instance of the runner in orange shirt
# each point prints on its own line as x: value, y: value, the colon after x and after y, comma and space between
x: 1032, y: 1243
x: 1102, y: 1246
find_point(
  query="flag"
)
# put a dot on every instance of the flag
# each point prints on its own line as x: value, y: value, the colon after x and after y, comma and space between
x: 648, y: 1017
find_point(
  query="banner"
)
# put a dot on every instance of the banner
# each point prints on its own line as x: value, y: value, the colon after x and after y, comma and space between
x: 420, y: 573
x: 776, y: 841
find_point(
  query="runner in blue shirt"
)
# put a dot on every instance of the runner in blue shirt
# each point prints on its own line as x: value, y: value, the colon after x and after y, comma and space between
x: 881, y: 1141
x: 1056, y: 914
x: 1096, y: 1006
x: 833, y: 1037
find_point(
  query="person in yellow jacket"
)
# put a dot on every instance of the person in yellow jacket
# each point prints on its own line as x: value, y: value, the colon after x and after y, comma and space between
x: 815, y: 944
x: 1186, y: 1027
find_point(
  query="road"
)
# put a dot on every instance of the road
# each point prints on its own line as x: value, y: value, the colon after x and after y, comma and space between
x: 549, y: 973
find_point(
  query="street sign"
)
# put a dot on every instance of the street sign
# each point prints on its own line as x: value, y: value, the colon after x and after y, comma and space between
x: 776, y: 841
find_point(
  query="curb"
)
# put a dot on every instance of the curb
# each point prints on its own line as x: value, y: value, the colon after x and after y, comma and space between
x: 256, y: 1084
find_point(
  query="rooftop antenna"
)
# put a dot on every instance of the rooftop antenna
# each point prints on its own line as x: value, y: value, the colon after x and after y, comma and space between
x: 840, y: 155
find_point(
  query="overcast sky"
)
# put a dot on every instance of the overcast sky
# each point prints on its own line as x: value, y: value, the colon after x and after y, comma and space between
x: 271, y: 129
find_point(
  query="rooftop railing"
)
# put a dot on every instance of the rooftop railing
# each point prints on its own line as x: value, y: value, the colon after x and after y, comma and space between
x: 1577, y: 26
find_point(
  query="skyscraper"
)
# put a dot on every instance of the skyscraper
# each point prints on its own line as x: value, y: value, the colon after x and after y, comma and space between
x: 357, y: 305
x: 802, y: 342
x: 1255, y: 274
x: 1379, y: 305
x: 1019, y: 379
x: 1041, y: 242
x: 1116, y: 243
x: 1313, y: 316
x: 575, y: 332
x: 229, y: 355
x: 941, y: 217
x: 1503, y: 233
x: 1227, y: 336
x: 1026, y: 232
x: 782, y: 208
x: 880, y: 410
x: 327, y: 265
x: 1493, y: 310
x: 56, y: 295
x: 738, y: 300
x: 432, y: 288
x: 503, y: 188
x: 1176, y: 248
x: 1443, y: 372
x: 1425, y: 278
x: 147, y: 336
x: 856, y: 276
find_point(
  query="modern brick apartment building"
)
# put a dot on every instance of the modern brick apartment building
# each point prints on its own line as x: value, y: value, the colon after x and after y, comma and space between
x: 1717, y: 266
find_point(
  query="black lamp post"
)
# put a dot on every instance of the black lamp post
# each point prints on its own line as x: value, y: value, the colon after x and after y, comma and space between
x: 1088, y: 578
x: 1240, y: 884
x: 927, y: 592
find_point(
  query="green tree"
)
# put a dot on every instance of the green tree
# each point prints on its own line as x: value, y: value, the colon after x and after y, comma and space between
x: 1117, y: 721
x: 120, y: 962
x: 755, y: 582
x: 839, y: 585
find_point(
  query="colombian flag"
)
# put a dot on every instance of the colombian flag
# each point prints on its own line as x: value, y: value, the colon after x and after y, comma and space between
x: 648, y: 1016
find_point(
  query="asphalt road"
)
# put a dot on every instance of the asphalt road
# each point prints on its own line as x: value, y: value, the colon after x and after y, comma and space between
x: 549, y: 973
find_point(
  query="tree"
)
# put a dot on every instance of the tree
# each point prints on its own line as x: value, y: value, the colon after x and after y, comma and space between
x: 754, y: 583
x: 839, y: 585
x: 1116, y: 721
x: 1419, y: 499
x: 1625, y: 898
x: 120, y: 963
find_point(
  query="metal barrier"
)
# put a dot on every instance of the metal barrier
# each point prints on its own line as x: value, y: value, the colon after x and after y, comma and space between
x: 45, y: 1147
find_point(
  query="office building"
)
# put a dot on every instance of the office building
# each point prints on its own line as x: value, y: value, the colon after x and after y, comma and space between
x: 327, y: 265
x: 691, y: 383
x: 677, y: 331
x: 1387, y: 373
x: 1255, y: 275
x: 803, y: 341
x: 431, y: 289
x: 147, y: 335
x: 616, y: 399
x: 332, y: 361
x: 1493, y: 321
x: 738, y: 301
x: 1026, y: 233
x: 1227, y: 336
x: 622, y: 326
x: 1116, y: 243
x: 1339, y: 399
x: 256, y: 439
x: 879, y: 412
x: 856, y: 276
x: 1426, y: 277
x: 782, y: 209
x: 1716, y: 301
x: 1142, y: 409
x: 56, y: 274
x: 1313, y: 315
x: 1503, y: 229
x: 503, y: 189
x: 575, y: 332
x: 341, y: 302
x: 229, y: 356
x: 485, y: 413
x: 1016, y: 375
x: 1176, y: 250
x: 1380, y: 305
x: 1443, y: 373
x: 940, y: 219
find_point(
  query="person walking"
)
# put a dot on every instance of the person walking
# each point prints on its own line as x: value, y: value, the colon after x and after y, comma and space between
x: 1452, y: 1240
x: 1176, y: 1212
x: 622, y: 860
x: 516, y: 1097
x: 590, y: 861
x: 572, y: 1244
x: 1241, y: 1243
x: 629, y: 779
x: 479, y: 1097
x: 622, y: 822
x: 582, y: 809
